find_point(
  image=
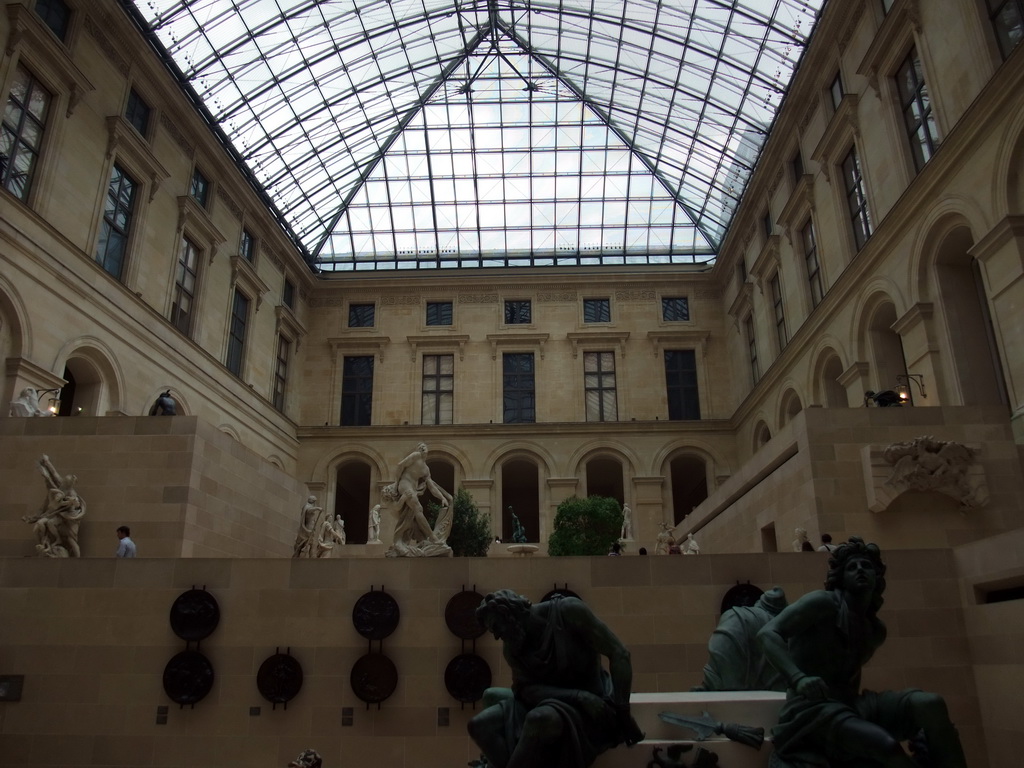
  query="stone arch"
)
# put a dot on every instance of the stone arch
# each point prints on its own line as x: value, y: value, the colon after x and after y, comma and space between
x: 975, y: 373
x: 230, y: 431
x: 95, y: 383
x: 825, y: 386
x: 762, y: 434
x: 13, y: 337
x: 520, y: 489
x: 354, y: 496
x: 790, y: 405
x: 618, y: 462
x: 689, y: 478
x: 877, y: 342
x: 950, y: 214
x: 1008, y: 176
x: 277, y: 461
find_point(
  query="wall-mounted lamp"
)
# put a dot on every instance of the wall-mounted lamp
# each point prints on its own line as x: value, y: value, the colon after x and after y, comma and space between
x: 54, y: 406
x: 903, y: 386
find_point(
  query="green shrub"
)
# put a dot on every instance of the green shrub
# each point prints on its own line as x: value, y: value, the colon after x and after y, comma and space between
x: 471, y: 529
x: 585, y: 526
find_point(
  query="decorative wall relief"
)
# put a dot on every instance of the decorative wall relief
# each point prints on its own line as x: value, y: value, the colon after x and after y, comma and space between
x: 924, y: 464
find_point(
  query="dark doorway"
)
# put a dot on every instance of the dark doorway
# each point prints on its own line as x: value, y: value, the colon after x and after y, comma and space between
x: 352, y: 499
x: 689, y: 485
x: 604, y: 478
x: 520, y: 493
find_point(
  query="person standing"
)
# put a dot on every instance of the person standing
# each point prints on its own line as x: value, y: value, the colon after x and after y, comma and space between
x: 126, y: 547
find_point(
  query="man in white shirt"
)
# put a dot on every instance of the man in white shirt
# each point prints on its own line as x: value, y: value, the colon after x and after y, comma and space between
x: 127, y: 547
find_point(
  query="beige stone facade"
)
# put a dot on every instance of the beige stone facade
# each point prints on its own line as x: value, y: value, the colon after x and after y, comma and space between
x: 787, y: 331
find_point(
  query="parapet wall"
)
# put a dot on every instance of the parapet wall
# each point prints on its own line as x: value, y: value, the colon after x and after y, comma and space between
x: 92, y: 637
x: 185, y: 488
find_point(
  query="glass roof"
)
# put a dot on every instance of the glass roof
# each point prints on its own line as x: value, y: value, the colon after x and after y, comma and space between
x: 438, y: 133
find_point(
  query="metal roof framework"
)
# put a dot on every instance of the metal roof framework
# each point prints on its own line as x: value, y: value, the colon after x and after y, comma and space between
x: 463, y: 133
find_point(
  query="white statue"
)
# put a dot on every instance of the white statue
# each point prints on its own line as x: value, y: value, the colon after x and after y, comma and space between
x: 627, y: 523
x: 664, y: 540
x: 690, y: 546
x: 306, y: 538
x: 331, y: 532
x: 56, y: 524
x: 27, y: 404
x: 800, y: 540
x: 413, y: 535
x: 373, y: 528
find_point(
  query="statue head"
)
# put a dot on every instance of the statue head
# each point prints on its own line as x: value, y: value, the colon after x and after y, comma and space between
x: 504, y: 614
x: 868, y: 554
x: 422, y: 448
x: 311, y: 499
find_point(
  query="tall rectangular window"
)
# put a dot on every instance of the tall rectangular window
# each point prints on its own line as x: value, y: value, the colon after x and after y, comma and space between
x: 518, y: 312
x: 918, y: 120
x: 797, y: 164
x: 780, y: 311
x: 439, y: 313
x: 357, y: 391
x: 288, y: 294
x: 835, y: 91
x: 199, y: 188
x: 597, y: 311
x: 438, y: 394
x: 236, y: 332
x: 185, y: 281
x: 247, y: 246
x: 1008, y: 22
x: 21, y: 133
x: 755, y: 367
x: 814, y: 277
x: 361, y: 315
x: 681, y: 384
x: 117, y: 222
x: 520, y: 398
x: 675, y: 309
x: 599, y: 386
x: 284, y: 351
x: 856, y: 198
x: 137, y: 112
x: 56, y: 15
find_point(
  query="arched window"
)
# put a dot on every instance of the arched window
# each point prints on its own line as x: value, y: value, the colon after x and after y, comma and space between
x: 352, y: 498
x: 520, y: 494
x: 833, y: 393
x: 886, y: 348
x: 689, y: 482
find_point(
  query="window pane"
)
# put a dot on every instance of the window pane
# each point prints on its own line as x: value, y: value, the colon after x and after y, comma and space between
x: 236, y: 332
x: 597, y: 311
x: 56, y: 15
x: 681, y: 384
x: 518, y: 386
x: 675, y: 309
x: 438, y: 382
x: 599, y: 386
x: 22, y: 132
x: 281, y: 371
x: 117, y: 217
x: 517, y: 312
x: 361, y: 315
x: 439, y: 313
x: 357, y: 391
x: 184, y: 286
x: 137, y: 112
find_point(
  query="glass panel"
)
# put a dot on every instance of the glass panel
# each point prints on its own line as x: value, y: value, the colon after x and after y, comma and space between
x: 313, y: 96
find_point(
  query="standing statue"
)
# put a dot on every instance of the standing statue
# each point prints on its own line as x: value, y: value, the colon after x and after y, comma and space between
x: 331, y: 532
x: 819, y: 644
x: 413, y: 535
x: 626, y: 534
x: 518, y: 531
x: 800, y: 541
x: 306, y: 538
x: 27, y: 404
x: 564, y: 708
x: 56, y: 524
x: 664, y: 541
x: 164, y: 405
x: 690, y: 546
x: 373, y: 526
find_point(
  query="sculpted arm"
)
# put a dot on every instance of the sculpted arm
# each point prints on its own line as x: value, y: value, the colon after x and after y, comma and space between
x: 774, y: 637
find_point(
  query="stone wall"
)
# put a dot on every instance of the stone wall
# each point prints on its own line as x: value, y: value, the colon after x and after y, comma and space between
x: 815, y: 474
x: 184, y: 488
x: 92, y: 637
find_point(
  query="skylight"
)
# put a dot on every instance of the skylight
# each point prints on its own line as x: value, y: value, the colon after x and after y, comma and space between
x: 431, y: 134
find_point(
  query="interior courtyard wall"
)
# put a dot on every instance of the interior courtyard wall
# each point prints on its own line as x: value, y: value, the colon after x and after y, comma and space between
x: 184, y: 488
x: 92, y: 637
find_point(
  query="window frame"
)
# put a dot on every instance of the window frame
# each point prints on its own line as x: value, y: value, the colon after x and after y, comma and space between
x: 993, y: 13
x: 178, y: 289
x: 200, y: 188
x: 238, y: 332
x: 815, y: 278
x: 752, y: 356
x: 603, y: 305
x: 512, y: 312
x: 279, y: 386
x: 522, y: 414
x: 920, y: 138
x: 440, y: 393
x: 248, y: 245
x: 666, y: 303
x: 778, y: 310
x: 600, y: 377
x: 128, y: 235
x: 680, y: 406
x: 354, y: 309
x: 360, y: 399
x: 439, y: 307
x: 18, y: 132
x: 130, y: 115
x: 855, y: 191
